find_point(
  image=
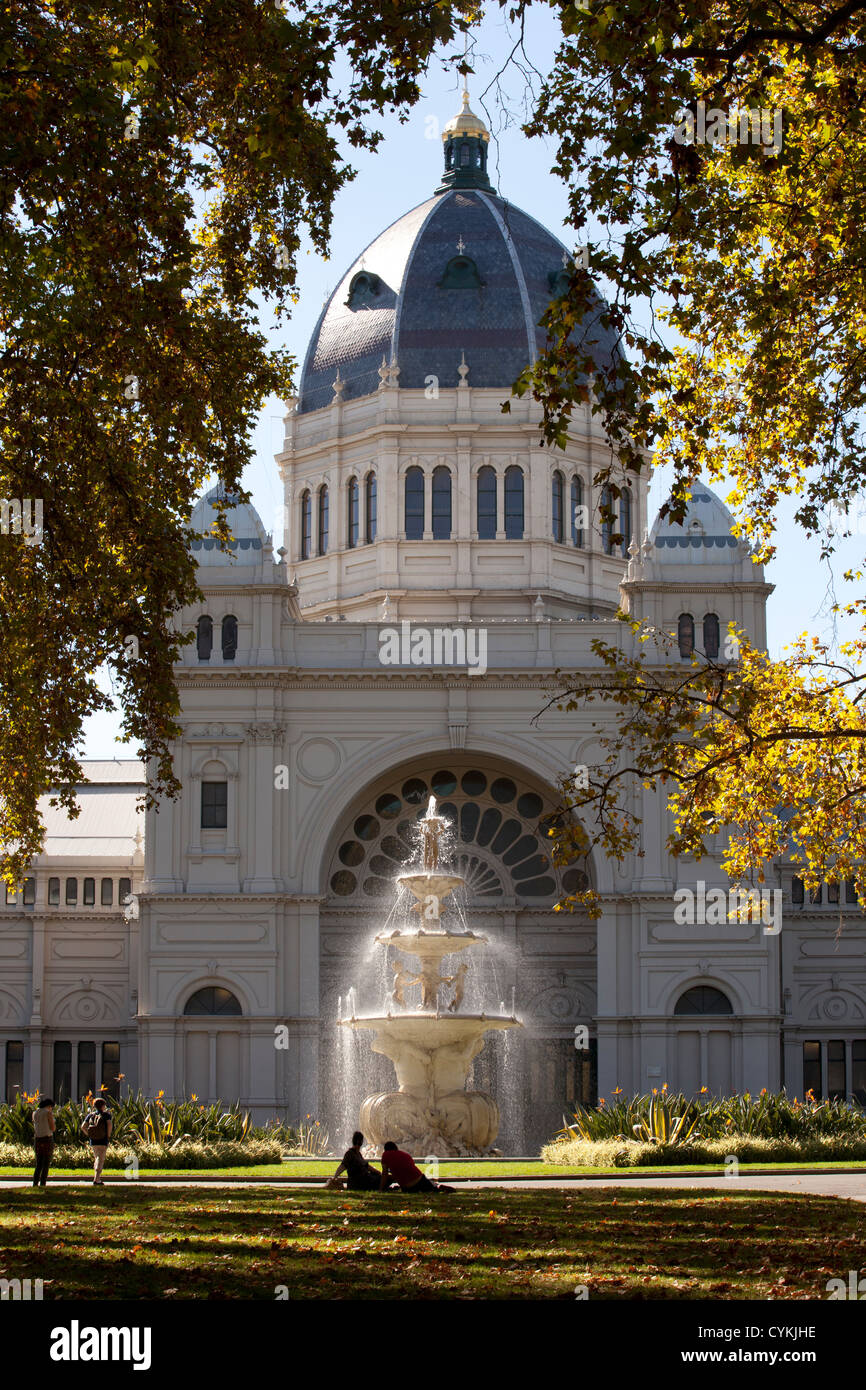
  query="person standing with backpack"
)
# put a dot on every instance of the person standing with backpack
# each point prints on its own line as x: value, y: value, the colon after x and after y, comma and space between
x: 44, y: 1126
x: 96, y: 1129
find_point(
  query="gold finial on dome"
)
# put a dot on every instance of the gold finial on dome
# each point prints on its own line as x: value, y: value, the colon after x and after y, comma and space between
x: 467, y: 123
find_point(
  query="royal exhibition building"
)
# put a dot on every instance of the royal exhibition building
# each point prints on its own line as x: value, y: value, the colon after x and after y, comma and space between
x: 439, y: 570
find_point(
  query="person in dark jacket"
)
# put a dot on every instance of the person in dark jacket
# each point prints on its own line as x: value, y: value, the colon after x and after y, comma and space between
x: 44, y: 1125
x: 97, y: 1128
x: 361, y: 1176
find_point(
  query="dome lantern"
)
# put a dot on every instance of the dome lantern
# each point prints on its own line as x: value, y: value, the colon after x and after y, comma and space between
x: 465, y: 142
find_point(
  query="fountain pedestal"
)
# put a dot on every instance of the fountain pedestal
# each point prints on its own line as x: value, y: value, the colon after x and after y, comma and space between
x: 432, y: 1050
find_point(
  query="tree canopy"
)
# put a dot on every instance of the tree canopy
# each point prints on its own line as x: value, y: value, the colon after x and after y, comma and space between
x: 159, y: 161
x: 715, y: 159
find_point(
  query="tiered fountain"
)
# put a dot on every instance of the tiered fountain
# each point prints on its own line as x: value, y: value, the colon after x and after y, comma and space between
x: 432, y: 1049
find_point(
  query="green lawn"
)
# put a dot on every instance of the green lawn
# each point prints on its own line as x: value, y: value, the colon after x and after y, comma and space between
x: 470, y: 1168
x: 125, y: 1242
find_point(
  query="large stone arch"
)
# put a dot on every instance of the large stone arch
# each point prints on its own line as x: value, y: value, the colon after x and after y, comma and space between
x: 529, y: 759
x: 547, y: 958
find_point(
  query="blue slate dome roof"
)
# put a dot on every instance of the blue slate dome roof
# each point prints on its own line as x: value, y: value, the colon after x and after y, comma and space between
x: 705, y: 536
x: 248, y: 534
x: 465, y: 272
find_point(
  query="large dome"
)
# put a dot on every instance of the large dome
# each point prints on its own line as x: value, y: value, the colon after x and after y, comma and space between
x: 465, y: 272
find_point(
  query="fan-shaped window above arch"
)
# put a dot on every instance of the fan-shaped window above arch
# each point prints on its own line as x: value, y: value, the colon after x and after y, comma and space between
x: 486, y: 503
x: 461, y: 273
x: 703, y: 999
x: 499, y: 841
x: 514, y: 503
x: 204, y: 638
x: 212, y: 1001
x: 364, y: 290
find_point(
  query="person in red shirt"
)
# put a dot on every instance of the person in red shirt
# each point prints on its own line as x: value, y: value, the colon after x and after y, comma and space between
x: 398, y: 1166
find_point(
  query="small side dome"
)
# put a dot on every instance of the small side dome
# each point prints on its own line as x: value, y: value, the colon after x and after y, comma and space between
x: 249, y: 537
x: 704, y: 538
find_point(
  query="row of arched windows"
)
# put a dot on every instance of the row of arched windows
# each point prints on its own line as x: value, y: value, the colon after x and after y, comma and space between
x: 360, y: 530
x: 686, y: 635
x: 204, y: 637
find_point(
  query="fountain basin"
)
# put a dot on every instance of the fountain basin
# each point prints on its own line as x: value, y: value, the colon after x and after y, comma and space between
x: 430, y: 885
x: 431, y: 945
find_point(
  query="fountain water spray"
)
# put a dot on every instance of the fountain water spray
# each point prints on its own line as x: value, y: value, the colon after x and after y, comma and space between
x: 432, y: 1047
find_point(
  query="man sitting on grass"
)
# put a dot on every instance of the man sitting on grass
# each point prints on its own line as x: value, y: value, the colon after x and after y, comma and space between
x: 400, y: 1166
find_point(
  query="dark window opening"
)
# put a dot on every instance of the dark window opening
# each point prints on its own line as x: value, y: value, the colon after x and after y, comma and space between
x: 306, y: 525
x: 370, y: 508
x: 324, y: 512
x: 686, y: 634
x: 711, y: 636
x: 89, y: 896
x: 486, y: 503
x: 812, y: 1069
x: 353, y: 515
x: 514, y: 503
x: 229, y: 637
x: 214, y: 805
x: 556, y: 502
x: 414, y: 504
x: 106, y: 892
x: 441, y: 504
x: 204, y: 638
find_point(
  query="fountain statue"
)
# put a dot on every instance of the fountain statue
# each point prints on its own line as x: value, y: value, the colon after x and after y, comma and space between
x: 432, y: 1048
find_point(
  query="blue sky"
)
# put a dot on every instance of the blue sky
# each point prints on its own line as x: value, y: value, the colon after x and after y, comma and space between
x: 403, y: 173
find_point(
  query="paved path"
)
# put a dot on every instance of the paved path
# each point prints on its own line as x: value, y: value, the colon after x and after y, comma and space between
x: 850, y: 1185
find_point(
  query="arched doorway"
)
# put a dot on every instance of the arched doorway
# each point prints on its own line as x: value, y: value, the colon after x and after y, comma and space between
x: 703, y: 1041
x: 498, y: 814
x: 212, y: 1045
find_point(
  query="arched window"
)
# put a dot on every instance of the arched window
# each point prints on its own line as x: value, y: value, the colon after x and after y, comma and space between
x: 370, y: 505
x: 514, y: 503
x: 711, y: 636
x: 230, y: 638
x: 414, y: 504
x: 212, y: 1000
x: 306, y: 525
x: 441, y: 504
x: 354, y: 505
x: 324, y: 509
x: 204, y: 638
x: 604, y: 503
x: 625, y: 518
x: 576, y: 512
x: 686, y: 634
x: 703, y: 999
x: 556, y: 502
x: 486, y: 503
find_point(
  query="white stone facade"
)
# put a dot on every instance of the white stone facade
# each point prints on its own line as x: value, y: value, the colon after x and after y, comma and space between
x: 304, y: 757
